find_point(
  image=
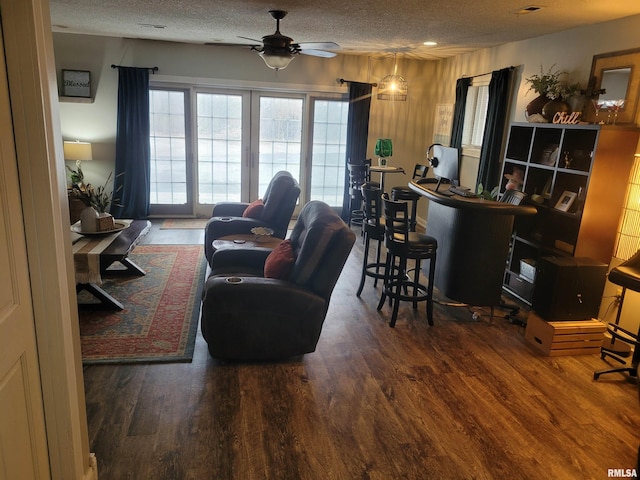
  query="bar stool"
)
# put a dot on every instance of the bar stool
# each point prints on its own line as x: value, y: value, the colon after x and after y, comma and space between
x: 405, y: 194
x: 627, y: 275
x: 403, y: 245
x: 373, y: 228
x: 357, y: 177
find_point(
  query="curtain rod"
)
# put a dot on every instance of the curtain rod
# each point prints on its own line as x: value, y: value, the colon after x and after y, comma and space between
x: 342, y: 81
x: 153, y: 69
x: 488, y: 73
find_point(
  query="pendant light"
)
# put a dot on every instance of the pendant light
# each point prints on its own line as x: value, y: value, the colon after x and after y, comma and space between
x: 393, y: 87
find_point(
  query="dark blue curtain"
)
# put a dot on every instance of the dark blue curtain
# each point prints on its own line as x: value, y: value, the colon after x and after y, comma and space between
x: 462, y: 87
x: 357, y: 133
x: 499, y: 92
x: 132, y: 177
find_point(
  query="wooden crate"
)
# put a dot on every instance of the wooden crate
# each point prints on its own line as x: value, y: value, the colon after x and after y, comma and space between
x: 577, y: 337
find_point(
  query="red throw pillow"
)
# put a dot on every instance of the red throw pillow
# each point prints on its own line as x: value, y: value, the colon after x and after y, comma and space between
x: 280, y: 261
x: 254, y: 209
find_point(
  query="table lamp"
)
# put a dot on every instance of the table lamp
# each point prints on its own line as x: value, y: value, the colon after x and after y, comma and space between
x: 384, y: 149
x: 77, y: 151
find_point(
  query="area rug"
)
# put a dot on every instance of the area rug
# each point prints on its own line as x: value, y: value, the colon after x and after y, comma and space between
x: 161, y: 309
x: 183, y: 223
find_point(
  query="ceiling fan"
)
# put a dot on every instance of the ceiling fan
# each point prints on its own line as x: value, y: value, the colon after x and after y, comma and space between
x: 278, y: 50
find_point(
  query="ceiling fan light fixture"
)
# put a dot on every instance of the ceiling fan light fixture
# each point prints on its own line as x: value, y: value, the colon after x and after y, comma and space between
x: 393, y: 87
x: 276, y: 61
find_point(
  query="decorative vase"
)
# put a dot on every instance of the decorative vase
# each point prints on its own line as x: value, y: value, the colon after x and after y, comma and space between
x: 535, y: 106
x: 89, y: 220
x: 554, y: 106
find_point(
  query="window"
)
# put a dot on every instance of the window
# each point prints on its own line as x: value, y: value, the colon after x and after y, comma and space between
x: 212, y: 145
x: 168, y: 147
x: 219, y: 121
x: 329, y: 151
x: 475, y: 118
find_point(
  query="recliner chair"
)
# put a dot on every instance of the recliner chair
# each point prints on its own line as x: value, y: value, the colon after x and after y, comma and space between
x: 279, y: 202
x: 246, y: 316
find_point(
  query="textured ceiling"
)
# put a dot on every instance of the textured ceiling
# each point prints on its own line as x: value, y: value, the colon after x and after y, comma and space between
x: 365, y: 27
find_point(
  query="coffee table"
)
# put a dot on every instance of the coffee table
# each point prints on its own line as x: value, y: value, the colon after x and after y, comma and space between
x: 117, y: 250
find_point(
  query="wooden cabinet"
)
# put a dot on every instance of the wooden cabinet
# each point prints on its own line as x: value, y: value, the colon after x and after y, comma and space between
x: 588, y: 167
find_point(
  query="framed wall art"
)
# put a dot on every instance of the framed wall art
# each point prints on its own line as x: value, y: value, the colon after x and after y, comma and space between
x: 565, y: 201
x: 614, y: 87
x: 76, y: 83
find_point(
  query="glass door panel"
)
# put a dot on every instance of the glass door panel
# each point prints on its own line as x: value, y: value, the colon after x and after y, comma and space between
x: 170, y: 172
x: 220, y: 147
x: 328, y: 151
x: 234, y: 142
x: 279, y: 139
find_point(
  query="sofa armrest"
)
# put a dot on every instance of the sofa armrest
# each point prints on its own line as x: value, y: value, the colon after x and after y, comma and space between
x: 239, y: 260
x: 218, y: 227
x: 229, y: 209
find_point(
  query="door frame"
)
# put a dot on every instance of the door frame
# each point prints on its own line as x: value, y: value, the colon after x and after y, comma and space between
x: 31, y: 73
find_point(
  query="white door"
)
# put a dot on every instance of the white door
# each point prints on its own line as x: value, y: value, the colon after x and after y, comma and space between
x: 23, y: 450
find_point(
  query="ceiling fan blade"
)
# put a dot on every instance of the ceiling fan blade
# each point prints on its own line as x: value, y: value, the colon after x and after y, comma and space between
x: 252, y: 39
x: 319, y: 46
x: 224, y: 44
x: 318, y: 53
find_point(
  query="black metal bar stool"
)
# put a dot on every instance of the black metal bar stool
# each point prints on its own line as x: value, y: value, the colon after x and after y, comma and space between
x: 627, y: 275
x: 357, y: 177
x: 403, y: 245
x: 403, y: 193
x: 373, y: 228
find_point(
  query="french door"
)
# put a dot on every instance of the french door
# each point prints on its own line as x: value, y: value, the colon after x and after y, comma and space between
x: 229, y: 144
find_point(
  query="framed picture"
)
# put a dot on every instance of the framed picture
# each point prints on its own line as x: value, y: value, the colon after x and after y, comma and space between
x: 614, y: 86
x: 565, y: 201
x: 76, y: 83
x: 443, y: 122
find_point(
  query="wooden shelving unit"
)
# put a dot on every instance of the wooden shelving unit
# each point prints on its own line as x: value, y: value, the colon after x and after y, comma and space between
x: 591, y: 161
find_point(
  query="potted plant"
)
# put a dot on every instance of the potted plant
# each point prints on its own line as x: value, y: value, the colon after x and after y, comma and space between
x: 545, y: 85
x: 94, y: 218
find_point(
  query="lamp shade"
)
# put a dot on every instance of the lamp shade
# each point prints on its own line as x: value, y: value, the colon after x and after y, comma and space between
x: 384, y: 148
x: 77, y: 151
x: 276, y: 61
x: 628, y: 241
x: 393, y: 87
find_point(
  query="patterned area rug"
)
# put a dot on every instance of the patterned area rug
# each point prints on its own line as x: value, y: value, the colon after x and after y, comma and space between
x: 160, y: 318
x: 183, y: 223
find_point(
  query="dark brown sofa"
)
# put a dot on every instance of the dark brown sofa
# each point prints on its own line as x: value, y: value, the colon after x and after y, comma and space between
x: 248, y: 317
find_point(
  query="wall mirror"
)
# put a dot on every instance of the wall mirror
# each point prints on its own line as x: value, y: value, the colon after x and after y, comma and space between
x: 618, y: 73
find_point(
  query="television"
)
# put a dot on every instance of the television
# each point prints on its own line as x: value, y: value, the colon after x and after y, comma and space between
x: 445, y: 165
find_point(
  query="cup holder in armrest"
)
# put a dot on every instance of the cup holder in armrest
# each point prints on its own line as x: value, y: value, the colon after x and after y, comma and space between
x: 234, y: 280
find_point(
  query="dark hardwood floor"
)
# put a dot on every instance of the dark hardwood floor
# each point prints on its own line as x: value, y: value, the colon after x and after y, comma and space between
x: 464, y: 399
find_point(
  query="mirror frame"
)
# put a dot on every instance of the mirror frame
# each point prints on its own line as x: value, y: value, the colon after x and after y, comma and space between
x: 611, y: 61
